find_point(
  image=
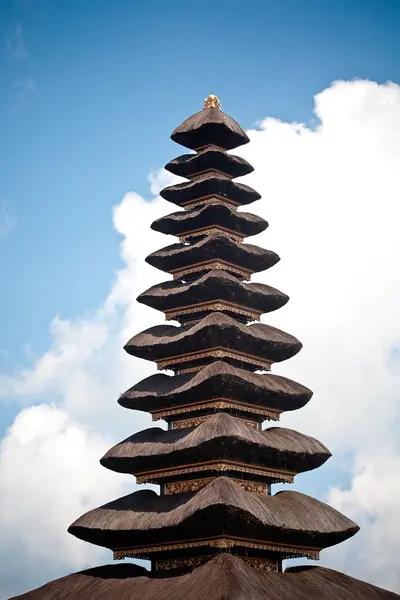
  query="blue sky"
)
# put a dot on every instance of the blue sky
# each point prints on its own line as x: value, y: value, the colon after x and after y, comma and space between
x: 89, y: 95
x: 108, y: 83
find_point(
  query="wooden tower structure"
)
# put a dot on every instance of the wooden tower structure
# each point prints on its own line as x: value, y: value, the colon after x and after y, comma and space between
x: 215, y: 530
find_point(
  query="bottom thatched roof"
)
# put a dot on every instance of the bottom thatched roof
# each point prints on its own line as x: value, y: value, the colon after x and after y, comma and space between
x: 225, y: 577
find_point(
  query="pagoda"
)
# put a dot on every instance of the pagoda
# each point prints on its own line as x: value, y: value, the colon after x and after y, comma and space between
x: 215, y: 530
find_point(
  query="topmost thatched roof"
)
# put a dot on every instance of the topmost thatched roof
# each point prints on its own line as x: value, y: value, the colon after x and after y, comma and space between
x: 210, y: 126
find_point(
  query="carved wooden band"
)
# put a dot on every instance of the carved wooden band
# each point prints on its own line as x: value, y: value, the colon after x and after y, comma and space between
x: 218, y: 404
x: 217, y: 466
x: 225, y: 543
x: 261, y: 564
x: 198, y: 174
x: 171, y: 361
x: 211, y: 199
x: 196, y: 421
x: 238, y: 237
x: 212, y: 305
x: 182, y: 487
x: 209, y: 265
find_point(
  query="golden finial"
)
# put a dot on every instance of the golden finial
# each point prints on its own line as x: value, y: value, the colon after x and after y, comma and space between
x: 212, y: 102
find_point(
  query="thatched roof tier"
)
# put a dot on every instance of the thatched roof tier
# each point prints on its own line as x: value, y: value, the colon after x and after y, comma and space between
x: 224, y: 576
x: 209, y: 186
x: 214, y: 251
x: 144, y: 523
x: 215, y: 290
x: 221, y: 437
x: 209, y: 219
x: 217, y: 335
x: 211, y: 158
x: 208, y: 127
x: 214, y: 386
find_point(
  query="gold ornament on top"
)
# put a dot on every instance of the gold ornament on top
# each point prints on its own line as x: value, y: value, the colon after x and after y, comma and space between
x: 212, y: 102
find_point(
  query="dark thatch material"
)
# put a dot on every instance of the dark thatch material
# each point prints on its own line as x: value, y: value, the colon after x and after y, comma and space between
x: 208, y: 127
x: 209, y: 158
x: 217, y: 380
x: 221, y: 508
x: 213, y: 285
x: 220, y: 437
x: 208, y: 216
x: 209, y: 184
x: 218, y: 246
x: 216, y: 330
x: 225, y: 577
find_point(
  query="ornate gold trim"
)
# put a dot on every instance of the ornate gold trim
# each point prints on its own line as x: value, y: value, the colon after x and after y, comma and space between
x: 196, y: 421
x: 211, y: 199
x: 219, y: 467
x: 198, y: 174
x: 209, y: 231
x: 213, y: 305
x: 260, y: 564
x: 217, y: 352
x: 192, y: 485
x: 209, y: 265
x: 225, y: 543
x: 220, y: 404
x: 181, y: 563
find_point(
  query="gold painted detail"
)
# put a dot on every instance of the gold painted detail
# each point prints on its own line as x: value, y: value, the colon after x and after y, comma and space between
x: 214, y: 199
x: 181, y: 563
x: 212, y: 102
x: 286, y: 551
x: 196, y: 421
x: 209, y: 265
x: 268, y: 565
x: 166, y: 363
x: 238, y: 237
x: 198, y: 174
x: 182, y: 487
x: 214, y: 305
x: 220, y: 404
x: 262, y: 564
x: 219, y: 467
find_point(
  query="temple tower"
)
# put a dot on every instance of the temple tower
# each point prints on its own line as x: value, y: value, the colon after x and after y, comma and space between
x: 215, y: 465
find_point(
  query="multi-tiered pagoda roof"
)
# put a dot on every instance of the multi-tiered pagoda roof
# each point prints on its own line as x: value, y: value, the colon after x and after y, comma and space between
x: 215, y: 530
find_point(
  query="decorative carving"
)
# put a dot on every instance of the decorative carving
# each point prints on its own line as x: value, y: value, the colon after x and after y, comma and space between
x: 194, y: 176
x: 214, y: 199
x: 181, y: 563
x: 262, y: 564
x: 238, y: 237
x: 185, y: 423
x: 166, y: 363
x: 220, y: 467
x: 212, y: 102
x: 222, y: 544
x: 181, y: 487
x: 196, y: 421
x: 215, y: 305
x: 208, y: 265
x: 220, y: 404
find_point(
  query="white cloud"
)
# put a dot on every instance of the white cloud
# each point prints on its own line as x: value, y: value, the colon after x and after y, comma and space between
x: 331, y: 197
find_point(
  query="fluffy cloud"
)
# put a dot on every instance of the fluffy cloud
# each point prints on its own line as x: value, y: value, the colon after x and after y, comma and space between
x: 331, y: 195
